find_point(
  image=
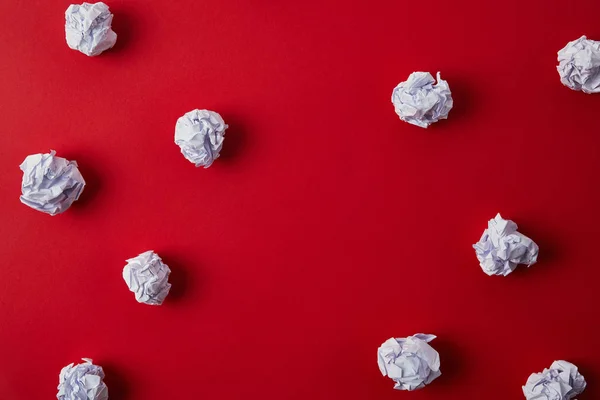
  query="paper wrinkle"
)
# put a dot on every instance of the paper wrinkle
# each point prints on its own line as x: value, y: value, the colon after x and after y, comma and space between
x: 501, y: 248
x: 88, y: 28
x: 579, y: 65
x: 419, y: 101
x: 562, y: 381
x: 50, y: 184
x: 410, y: 362
x: 82, y: 382
x: 148, y: 277
x: 200, y: 135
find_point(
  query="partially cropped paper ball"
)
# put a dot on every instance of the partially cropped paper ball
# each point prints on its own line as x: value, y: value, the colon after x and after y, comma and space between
x: 148, y: 277
x: 50, y: 184
x: 88, y: 28
x: 82, y: 382
x: 420, y: 101
x: 200, y: 135
x: 410, y: 362
x: 579, y: 65
x: 562, y: 381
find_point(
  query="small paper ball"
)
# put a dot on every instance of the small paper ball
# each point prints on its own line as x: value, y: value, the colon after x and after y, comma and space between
x: 421, y: 102
x: 410, y: 362
x: 88, y: 28
x: 200, y: 135
x: 579, y: 65
x: 50, y: 184
x: 82, y: 382
x: 501, y: 248
x: 148, y: 277
x: 561, y: 382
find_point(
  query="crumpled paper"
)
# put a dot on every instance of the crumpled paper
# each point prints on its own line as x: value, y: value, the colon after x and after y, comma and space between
x: 148, y: 277
x: 579, y: 65
x: 50, y: 184
x: 410, y: 362
x: 419, y: 101
x: 501, y: 248
x: 200, y: 135
x: 82, y: 382
x: 561, y: 382
x: 88, y: 28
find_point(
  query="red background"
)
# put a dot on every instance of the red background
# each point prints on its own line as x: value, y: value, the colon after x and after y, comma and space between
x: 327, y: 226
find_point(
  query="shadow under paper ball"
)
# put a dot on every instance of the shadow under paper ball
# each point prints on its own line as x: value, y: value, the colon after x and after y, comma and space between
x: 93, y: 181
x: 464, y: 97
x: 235, y: 140
x: 591, y: 375
x: 93, y: 186
x: 451, y: 362
x: 124, y: 25
x: 183, y: 280
x: 550, y: 254
x: 550, y: 251
x: 119, y: 388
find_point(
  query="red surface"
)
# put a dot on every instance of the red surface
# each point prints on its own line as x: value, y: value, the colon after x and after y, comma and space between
x: 327, y: 226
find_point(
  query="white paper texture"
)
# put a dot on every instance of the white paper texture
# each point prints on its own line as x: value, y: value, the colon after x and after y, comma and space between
x: 562, y: 381
x: 501, y: 248
x: 200, y: 135
x: 148, y: 277
x: 420, y: 101
x: 50, y: 184
x: 579, y: 65
x: 410, y: 362
x: 88, y: 28
x: 82, y: 382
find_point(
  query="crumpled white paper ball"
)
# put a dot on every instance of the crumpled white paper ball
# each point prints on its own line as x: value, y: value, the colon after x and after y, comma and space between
x: 82, y: 382
x: 88, y: 28
x: 501, y: 248
x: 410, y: 362
x: 579, y: 65
x: 148, y: 277
x: 419, y: 101
x: 50, y: 184
x: 561, y: 382
x: 200, y: 135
